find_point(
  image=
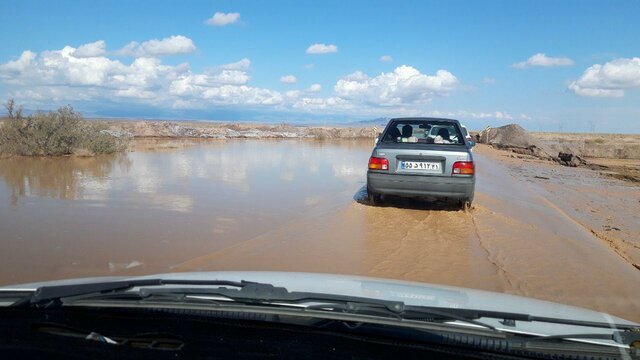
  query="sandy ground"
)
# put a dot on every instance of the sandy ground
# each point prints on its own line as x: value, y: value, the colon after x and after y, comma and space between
x: 536, y: 229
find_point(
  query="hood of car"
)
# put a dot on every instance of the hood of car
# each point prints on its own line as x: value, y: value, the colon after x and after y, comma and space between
x: 411, y: 293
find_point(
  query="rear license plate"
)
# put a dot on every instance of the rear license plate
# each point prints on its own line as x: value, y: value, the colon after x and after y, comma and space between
x: 420, y: 166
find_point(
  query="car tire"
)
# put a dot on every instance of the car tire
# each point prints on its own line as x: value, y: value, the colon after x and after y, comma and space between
x: 374, y: 198
x: 466, y: 204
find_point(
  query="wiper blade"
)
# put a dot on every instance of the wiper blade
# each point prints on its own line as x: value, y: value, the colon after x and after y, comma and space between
x: 268, y: 294
x: 509, y: 319
x: 48, y: 294
x: 252, y: 292
x: 627, y: 337
x: 242, y: 291
x: 261, y: 293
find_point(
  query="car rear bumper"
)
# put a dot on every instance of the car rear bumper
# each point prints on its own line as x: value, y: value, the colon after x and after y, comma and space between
x: 421, y: 186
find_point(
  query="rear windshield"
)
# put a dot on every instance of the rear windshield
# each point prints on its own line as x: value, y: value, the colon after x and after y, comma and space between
x: 426, y: 132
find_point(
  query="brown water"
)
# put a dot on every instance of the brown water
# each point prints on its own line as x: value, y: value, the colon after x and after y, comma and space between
x: 296, y: 205
x: 164, y: 203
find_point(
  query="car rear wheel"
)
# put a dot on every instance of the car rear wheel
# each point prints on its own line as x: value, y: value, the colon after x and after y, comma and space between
x: 374, y: 198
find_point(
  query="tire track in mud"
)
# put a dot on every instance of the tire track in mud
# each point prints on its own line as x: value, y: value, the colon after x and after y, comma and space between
x: 436, y: 245
x: 500, y: 268
x: 401, y: 247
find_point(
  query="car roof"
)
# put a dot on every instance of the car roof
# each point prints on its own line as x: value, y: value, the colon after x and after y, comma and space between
x: 424, y: 119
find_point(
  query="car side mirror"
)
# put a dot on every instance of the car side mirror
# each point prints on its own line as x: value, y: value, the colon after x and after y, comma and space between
x: 378, y: 137
x: 472, y: 143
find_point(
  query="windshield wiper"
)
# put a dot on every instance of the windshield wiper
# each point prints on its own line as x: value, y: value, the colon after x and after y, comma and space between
x: 626, y: 337
x: 266, y: 294
x: 48, y: 295
x: 240, y: 292
x: 261, y: 293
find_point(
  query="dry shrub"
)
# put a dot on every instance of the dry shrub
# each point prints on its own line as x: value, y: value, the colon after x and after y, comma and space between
x: 55, y: 133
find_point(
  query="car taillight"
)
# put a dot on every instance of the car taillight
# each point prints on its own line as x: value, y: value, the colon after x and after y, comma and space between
x: 463, y: 168
x: 376, y: 163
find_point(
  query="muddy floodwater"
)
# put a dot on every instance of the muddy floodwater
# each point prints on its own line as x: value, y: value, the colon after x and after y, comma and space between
x: 299, y: 205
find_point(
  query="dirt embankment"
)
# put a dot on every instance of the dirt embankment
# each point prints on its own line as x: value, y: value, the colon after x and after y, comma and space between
x: 168, y: 129
x: 612, y: 155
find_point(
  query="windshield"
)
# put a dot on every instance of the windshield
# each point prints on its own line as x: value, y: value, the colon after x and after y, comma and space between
x: 424, y: 132
x: 479, y: 155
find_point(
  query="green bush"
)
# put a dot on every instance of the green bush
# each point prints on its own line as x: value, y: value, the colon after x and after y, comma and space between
x: 60, y: 132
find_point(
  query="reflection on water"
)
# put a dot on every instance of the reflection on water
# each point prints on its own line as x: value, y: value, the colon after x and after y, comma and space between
x: 66, y: 178
x: 164, y: 202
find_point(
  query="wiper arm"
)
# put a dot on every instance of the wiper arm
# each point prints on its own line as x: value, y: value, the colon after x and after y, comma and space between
x: 261, y: 293
x: 252, y: 292
x: 48, y: 294
x: 509, y: 319
x: 265, y: 293
x: 242, y: 291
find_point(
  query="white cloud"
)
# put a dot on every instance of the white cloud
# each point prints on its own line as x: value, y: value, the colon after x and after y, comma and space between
x: 488, y: 80
x: 241, y: 95
x: 223, y: 19
x: 405, y: 85
x: 196, y: 84
x: 463, y: 114
x: 309, y: 66
x: 386, y: 58
x: 54, y: 77
x: 314, y: 88
x: 242, y: 64
x: 17, y: 66
x: 288, y: 79
x: 93, y: 49
x: 57, y: 76
x: 172, y: 45
x: 541, y: 59
x: 322, y: 49
x: 610, y: 79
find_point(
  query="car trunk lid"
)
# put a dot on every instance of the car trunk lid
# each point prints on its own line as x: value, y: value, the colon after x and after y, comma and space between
x: 422, y: 159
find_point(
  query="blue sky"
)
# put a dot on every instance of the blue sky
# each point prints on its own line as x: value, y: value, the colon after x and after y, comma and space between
x: 548, y: 65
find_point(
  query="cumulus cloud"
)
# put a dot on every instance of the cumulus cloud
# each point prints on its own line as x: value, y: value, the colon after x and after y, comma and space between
x: 322, y: 49
x: 223, y: 19
x: 58, y: 76
x: 314, y: 88
x: 93, y: 49
x: 608, y: 80
x: 386, y: 58
x: 288, y: 79
x: 19, y: 65
x: 541, y: 59
x: 242, y: 64
x: 172, y: 45
x: 405, y: 85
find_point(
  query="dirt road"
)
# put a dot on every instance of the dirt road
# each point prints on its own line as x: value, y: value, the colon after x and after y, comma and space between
x: 523, y: 236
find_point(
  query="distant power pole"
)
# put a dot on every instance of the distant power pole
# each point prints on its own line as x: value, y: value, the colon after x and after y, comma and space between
x: 592, y: 126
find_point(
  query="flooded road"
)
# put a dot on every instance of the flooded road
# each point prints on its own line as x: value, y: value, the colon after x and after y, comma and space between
x: 164, y: 203
x: 298, y: 205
